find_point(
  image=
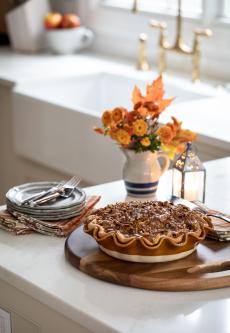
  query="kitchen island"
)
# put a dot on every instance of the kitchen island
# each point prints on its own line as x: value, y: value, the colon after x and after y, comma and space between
x: 43, y: 291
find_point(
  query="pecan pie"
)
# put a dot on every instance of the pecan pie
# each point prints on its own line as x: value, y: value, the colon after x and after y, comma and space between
x: 151, y: 231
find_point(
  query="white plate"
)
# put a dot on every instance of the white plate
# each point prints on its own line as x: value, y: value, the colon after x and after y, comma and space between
x: 18, y: 194
x: 60, y: 209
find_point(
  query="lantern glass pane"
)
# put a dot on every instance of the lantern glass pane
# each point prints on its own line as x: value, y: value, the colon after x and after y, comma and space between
x: 194, y: 185
x: 177, y: 183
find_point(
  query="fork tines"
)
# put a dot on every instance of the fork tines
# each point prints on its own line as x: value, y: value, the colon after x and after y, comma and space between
x: 74, y: 181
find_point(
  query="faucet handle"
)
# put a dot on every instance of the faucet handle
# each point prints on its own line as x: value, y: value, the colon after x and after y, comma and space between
x: 158, y: 24
x: 203, y: 32
x: 135, y: 6
x: 142, y: 63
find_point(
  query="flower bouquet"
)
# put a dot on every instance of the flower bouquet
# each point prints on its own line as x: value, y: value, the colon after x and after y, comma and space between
x: 139, y: 129
x: 143, y: 139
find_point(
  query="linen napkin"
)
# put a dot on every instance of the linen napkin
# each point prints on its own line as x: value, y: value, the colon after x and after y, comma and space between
x: 23, y: 224
x: 10, y: 223
x: 221, y: 228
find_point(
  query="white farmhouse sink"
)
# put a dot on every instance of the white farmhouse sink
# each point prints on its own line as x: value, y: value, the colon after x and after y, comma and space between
x: 54, y: 119
x: 100, y: 91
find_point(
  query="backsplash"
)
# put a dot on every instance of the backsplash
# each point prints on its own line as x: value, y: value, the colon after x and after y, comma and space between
x: 64, y: 6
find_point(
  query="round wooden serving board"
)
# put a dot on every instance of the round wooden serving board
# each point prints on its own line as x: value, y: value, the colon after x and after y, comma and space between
x: 83, y: 252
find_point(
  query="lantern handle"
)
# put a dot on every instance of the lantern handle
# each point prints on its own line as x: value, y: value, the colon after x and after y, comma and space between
x: 166, y: 161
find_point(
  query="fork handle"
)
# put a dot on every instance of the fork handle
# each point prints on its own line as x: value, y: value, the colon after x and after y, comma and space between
x: 35, y: 197
x: 46, y: 199
x: 220, y: 216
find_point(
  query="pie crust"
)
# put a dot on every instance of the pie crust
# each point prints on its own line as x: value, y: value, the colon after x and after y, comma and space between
x: 150, y: 231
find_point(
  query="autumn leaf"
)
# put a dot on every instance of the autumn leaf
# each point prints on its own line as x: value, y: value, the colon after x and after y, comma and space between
x: 164, y: 103
x: 136, y: 95
x: 99, y: 130
x: 155, y: 91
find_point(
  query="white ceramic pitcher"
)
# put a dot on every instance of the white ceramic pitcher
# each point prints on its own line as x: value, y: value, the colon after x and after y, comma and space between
x: 141, y: 172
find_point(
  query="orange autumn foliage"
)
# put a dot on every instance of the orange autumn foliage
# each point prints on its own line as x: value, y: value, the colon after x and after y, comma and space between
x: 138, y: 129
x: 154, y: 93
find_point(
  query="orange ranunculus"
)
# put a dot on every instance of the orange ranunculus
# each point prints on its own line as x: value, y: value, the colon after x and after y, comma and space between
x: 140, y: 127
x: 118, y: 114
x: 165, y: 133
x: 123, y: 137
x: 145, y: 142
x: 106, y: 118
x: 99, y: 130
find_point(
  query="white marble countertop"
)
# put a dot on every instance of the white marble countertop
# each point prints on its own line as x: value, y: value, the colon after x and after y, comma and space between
x: 36, y: 265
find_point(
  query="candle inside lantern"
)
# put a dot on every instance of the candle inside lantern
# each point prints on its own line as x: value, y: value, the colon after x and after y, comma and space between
x: 189, y: 176
x: 193, y: 186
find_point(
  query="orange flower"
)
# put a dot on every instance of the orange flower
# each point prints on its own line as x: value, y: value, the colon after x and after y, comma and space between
x: 142, y: 111
x: 134, y: 127
x: 112, y: 133
x: 99, y: 130
x: 123, y: 137
x: 186, y: 135
x: 140, y: 127
x: 175, y: 126
x: 128, y: 129
x: 145, y: 142
x: 131, y: 116
x: 118, y: 114
x: 106, y: 118
x: 165, y: 133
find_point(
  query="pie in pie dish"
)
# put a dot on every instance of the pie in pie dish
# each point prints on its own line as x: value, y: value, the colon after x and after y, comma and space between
x: 150, y: 231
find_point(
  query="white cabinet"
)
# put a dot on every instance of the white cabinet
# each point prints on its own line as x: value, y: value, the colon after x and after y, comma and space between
x: 15, y: 170
x: 31, y: 316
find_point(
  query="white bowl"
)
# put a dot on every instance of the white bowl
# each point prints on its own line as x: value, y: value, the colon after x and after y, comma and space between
x: 67, y: 41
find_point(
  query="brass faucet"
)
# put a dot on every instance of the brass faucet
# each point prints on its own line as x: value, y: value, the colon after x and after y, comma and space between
x: 180, y: 46
x: 135, y: 6
x: 142, y: 63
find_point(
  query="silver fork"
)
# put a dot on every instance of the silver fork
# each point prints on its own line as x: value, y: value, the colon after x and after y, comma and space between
x: 42, y: 194
x: 65, y: 191
x: 194, y: 205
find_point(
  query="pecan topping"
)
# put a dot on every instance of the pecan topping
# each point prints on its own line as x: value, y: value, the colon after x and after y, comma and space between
x: 149, y: 219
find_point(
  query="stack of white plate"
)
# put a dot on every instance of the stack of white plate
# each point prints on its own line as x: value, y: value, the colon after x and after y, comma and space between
x: 60, y: 209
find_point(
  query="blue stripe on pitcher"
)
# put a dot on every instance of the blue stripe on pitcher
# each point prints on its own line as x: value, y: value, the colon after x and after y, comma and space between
x: 141, y: 189
x: 140, y: 185
x: 140, y: 193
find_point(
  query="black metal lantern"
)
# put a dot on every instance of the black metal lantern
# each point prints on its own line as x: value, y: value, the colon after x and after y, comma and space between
x: 189, y: 176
